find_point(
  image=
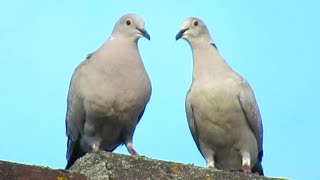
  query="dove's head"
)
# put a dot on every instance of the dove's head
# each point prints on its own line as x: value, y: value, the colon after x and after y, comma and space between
x: 130, y: 26
x: 193, y: 29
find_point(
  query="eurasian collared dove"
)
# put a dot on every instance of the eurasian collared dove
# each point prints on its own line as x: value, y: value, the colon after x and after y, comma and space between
x: 108, y: 93
x: 222, y: 112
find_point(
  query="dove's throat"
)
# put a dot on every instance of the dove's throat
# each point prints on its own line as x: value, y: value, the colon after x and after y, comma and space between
x: 207, y: 62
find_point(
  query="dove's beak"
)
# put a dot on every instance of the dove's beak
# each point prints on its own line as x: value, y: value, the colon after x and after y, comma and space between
x: 144, y: 33
x: 180, y: 33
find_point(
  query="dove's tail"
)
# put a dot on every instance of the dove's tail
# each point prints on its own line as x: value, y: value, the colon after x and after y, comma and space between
x: 257, y: 168
x: 74, y: 152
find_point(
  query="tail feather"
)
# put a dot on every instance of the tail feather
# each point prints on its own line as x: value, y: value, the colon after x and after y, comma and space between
x: 258, y: 167
x: 74, y: 152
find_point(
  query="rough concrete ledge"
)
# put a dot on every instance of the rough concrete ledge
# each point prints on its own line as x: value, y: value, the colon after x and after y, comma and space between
x: 107, y: 166
x: 112, y: 166
x: 14, y: 171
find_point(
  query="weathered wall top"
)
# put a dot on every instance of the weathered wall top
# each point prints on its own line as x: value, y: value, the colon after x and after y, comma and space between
x: 107, y: 166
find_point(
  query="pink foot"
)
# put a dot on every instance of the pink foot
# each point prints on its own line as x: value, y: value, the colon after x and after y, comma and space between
x: 131, y: 150
x: 246, y: 169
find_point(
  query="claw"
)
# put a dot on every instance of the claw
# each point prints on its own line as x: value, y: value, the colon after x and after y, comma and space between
x: 246, y: 169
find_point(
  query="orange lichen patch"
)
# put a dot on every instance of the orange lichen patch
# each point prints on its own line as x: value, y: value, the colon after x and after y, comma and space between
x: 61, y: 178
x: 175, y: 168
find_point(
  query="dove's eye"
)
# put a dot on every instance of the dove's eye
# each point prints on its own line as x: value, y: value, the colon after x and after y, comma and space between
x: 195, y: 23
x: 128, y: 22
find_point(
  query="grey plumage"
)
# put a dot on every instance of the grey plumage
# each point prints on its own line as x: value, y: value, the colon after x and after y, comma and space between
x: 222, y: 112
x: 108, y: 93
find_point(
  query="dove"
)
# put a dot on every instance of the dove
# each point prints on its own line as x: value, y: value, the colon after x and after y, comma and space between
x: 222, y: 112
x: 108, y: 93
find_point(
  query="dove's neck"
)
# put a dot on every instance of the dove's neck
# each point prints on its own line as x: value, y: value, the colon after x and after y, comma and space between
x: 119, y: 52
x: 123, y: 37
x: 207, y: 61
x: 120, y: 44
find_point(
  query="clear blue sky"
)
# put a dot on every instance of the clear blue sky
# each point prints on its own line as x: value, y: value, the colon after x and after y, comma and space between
x: 273, y: 44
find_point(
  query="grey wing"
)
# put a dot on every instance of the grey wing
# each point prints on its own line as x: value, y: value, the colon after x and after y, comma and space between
x: 192, y: 121
x: 144, y: 108
x: 251, y: 110
x: 75, y: 116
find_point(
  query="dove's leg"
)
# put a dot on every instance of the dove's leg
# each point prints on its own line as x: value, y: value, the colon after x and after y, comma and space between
x: 131, y: 150
x: 209, y: 156
x: 246, y: 162
x: 210, y: 163
x: 96, y: 147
